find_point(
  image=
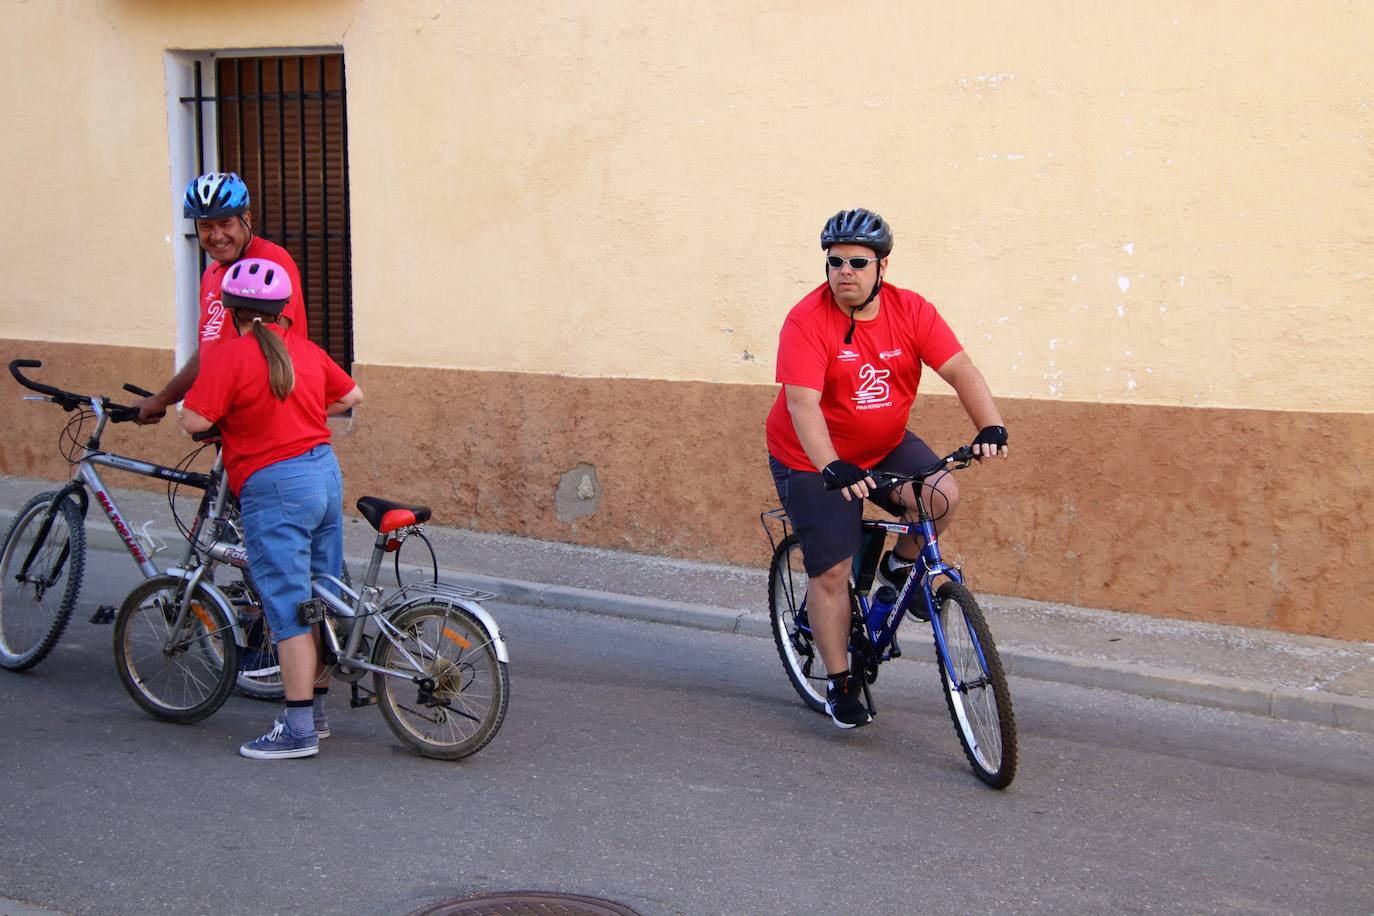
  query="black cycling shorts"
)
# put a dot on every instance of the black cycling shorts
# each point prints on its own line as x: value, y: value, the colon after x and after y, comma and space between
x: 828, y: 526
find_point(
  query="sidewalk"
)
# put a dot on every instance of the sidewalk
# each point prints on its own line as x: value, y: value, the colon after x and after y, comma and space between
x: 1298, y: 678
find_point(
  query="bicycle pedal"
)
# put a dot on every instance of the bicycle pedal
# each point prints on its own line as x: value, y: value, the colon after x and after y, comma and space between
x: 105, y: 614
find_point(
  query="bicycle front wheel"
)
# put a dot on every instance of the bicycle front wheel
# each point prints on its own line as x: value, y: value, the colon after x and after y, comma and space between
x: 975, y: 687
x: 787, y: 583
x: 41, y: 573
x: 462, y: 702
x: 175, y: 670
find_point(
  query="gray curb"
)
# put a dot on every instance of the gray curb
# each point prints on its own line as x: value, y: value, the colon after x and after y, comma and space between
x: 1287, y: 703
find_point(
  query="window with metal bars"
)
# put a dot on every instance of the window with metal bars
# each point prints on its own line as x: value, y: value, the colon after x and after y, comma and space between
x: 281, y: 122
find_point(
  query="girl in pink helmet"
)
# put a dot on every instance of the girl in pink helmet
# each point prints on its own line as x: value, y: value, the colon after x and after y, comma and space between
x: 269, y: 393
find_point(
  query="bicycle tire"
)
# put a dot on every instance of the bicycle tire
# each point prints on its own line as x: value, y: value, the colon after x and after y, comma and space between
x: 30, y: 622
x: 190, y: 681
x: 787, y: 582
x: 473, y: 683
x: 262, y: 682
x: 982, y: 714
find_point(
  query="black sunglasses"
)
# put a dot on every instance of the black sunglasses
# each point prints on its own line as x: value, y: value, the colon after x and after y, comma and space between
x: 837, y: 262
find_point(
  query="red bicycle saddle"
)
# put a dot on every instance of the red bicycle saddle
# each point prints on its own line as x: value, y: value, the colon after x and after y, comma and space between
x: 385, y: 515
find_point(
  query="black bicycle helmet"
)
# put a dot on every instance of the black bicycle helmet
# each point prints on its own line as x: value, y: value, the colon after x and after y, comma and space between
x: 858, y: 227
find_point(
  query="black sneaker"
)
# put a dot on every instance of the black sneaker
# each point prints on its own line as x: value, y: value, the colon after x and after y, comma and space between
x: 894, y: 572
x: 844, y: 701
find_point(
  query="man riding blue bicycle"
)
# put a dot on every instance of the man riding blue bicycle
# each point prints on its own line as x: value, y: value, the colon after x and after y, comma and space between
x: 849, y: 362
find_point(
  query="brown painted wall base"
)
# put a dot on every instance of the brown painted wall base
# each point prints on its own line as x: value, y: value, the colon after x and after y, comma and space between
x: 1244, y: 517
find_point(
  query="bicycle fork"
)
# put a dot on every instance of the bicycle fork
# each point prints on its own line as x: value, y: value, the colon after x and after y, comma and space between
x: 46, y: 579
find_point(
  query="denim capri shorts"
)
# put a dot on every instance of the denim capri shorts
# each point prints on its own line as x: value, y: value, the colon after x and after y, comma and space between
x: 292, y: 514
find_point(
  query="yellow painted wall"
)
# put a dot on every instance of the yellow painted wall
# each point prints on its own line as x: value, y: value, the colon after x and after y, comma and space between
x: 1159, y: 203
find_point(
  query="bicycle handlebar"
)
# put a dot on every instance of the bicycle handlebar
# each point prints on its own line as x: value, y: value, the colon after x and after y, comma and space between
x: 69, y: 400
x: 956, y: 460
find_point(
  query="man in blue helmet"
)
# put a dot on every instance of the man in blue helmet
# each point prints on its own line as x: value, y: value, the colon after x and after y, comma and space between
x: 218, y: 202
x: 849, y: 361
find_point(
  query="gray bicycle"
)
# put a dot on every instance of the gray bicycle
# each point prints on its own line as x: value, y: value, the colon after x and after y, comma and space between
x: 437, y: 658
x: 43, y: 555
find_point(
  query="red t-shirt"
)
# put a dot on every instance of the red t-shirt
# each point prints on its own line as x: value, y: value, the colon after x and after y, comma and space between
x: 868, y: 386
x: 257, y: 429
x: 216, y: 324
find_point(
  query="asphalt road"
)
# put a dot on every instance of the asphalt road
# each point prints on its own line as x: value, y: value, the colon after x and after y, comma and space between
x: 673, y: 770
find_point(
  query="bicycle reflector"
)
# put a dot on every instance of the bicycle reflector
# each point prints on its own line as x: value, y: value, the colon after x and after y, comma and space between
x: 455, y: 637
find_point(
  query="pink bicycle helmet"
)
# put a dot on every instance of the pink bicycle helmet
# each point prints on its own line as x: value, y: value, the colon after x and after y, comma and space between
x: 257, y: 284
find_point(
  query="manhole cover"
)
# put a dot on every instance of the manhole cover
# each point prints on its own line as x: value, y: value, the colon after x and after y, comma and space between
x: 527, y: 903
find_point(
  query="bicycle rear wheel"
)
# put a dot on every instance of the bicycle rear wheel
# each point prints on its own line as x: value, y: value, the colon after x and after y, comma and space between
x: 37, y: 603
x: 787, y: 583
x: 464, y: 708
x: 177, y: 677
x: 975, y: 687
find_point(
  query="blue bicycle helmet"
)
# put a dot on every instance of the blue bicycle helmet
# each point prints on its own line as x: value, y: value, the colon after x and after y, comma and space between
x: 858, y: 227
x: 214, y: 196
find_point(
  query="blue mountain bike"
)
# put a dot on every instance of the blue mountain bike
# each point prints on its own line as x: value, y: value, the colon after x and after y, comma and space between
x: 975, y: 686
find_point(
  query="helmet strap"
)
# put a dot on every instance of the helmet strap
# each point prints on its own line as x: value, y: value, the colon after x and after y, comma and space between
x: 853, y: 313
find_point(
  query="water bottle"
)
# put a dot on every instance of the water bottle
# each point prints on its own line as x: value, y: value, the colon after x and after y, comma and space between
x: 883, y: 600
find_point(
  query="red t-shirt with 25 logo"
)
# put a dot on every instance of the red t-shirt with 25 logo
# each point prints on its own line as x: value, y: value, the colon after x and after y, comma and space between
x: 215, y: 322
x: 868, y: 385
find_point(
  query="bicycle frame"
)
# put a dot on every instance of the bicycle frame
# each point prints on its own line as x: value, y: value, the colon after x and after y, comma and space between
x: 364, y: 606
x: 880, y: 628
x: 86, y: 482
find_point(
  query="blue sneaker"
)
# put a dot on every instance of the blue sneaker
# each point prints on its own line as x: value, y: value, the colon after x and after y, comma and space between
x: 279, y: 743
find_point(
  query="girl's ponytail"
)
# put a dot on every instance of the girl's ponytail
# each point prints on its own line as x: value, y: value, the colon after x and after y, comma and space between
x: 281, y: 374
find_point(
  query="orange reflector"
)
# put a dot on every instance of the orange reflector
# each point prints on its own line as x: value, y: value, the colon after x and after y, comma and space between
x: 455, y: 637
x: 202, y: 615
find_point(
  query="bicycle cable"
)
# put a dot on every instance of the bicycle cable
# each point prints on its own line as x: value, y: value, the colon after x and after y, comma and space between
x: 69, y: 441
x: 174, y: 487
x: 928, y: 482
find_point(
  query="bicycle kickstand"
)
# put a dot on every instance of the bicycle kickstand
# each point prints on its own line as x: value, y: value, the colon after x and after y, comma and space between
x: 868, y: 701
x: 361, y: 697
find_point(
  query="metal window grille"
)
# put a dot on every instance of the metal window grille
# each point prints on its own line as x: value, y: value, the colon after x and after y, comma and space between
x: 282, y: 124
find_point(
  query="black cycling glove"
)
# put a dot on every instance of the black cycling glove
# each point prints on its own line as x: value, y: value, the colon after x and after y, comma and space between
x: 839, y: 474
x: 991, y: 435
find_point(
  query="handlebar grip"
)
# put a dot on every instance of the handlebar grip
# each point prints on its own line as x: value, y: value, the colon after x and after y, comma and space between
x: 119, y: 413
x: 63, y: 397
x: 206, y: 435
x: 134, y: 389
